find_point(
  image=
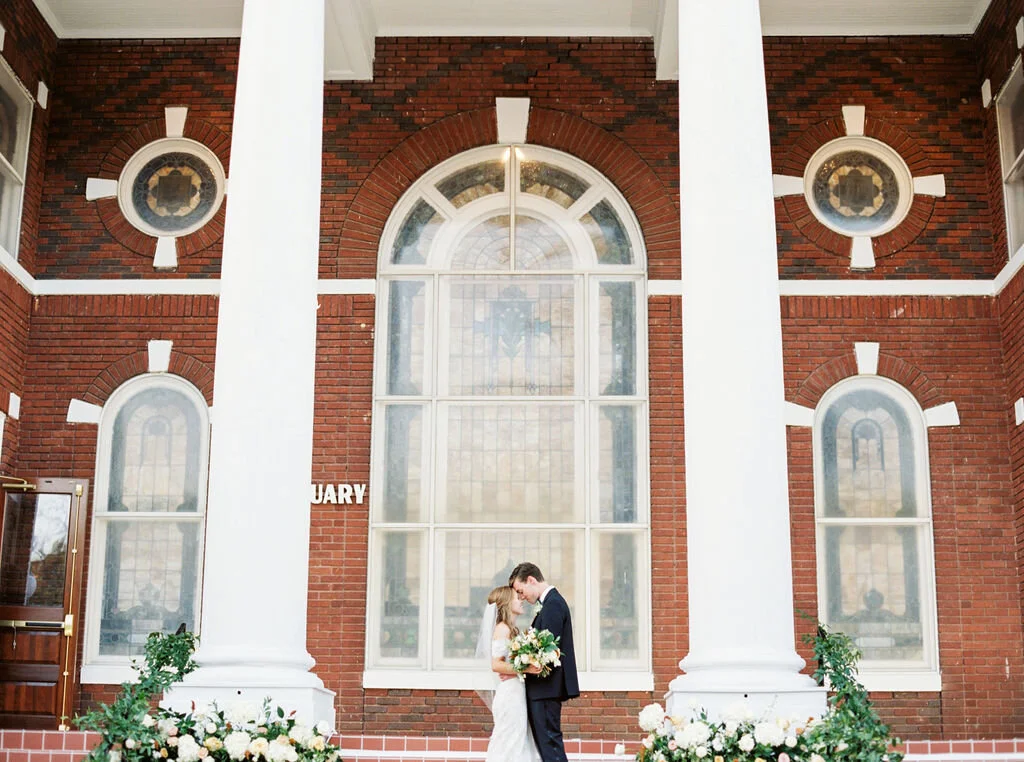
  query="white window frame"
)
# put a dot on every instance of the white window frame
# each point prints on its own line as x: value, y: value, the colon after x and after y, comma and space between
x: 1011, y: 165
x: 107, y: 670
x: 16, y: 174
x: 428, y: 670
x: 922, y: 676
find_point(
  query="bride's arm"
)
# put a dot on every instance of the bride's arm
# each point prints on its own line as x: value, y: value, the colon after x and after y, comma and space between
x: 498, y: 663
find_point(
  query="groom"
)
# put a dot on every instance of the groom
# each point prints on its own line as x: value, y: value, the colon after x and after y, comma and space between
x: 544, y: 695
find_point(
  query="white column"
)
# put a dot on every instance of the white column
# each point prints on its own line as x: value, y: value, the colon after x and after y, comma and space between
x: 253, y: 634
x: 737, y: 506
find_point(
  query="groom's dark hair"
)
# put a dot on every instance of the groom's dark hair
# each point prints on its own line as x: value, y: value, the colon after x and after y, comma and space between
x: 524, y: 570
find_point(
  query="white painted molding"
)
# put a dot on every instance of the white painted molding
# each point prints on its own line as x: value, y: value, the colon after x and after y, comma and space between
x: 1010, y: 269
x: 798, y: 415
x: 787, y: 185
x: 666, y: 40
x: 364, y: 286
x: 886, y: 288
x: 1018, y: 411
x: 3, y: 36
x: 513, y: 118
x: 930, y: 185
x: 42, y: 94
x: 166, y: 252
x: 924, y: 682
x: 986, y: 93
x: 174, y: 119
x: 862, y: 253
x: 14, y: 406
x: 1020, y: 33
x: 664, y: 288
x: 159, y: 355
x: 942, y: 415
x: 853, y: 116
x: 51, y: 18
x: 424, y: 679
x: 867, y: 357
x: 98, y: 187
x: 211, y: 414
x: 83, y: 412
x: 16, y: 271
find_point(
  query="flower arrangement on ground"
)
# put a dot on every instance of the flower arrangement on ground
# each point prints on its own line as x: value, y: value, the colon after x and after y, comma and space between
x: 132, y: 730
x: 850, y: 730
x: 534, y: 648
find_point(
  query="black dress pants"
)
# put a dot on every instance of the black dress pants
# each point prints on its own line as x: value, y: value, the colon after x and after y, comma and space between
x: 546, y: 723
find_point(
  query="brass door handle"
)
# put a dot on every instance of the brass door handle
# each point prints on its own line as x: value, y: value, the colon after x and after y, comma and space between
x: 68, y: 625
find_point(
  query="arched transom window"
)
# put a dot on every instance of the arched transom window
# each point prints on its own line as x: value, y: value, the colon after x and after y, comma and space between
x: 875, y: 562
x: 511, y: 411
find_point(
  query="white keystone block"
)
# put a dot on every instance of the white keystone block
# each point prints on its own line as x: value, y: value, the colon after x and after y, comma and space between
x: 1018, y: 411
x: 862, y: 253
x: 97, y: 187
x: 166, y: 252
x: 986, y: 93
x: 42, y: 95
x: 867, y: 357
x: 787, y: 185
x: 14, y: 406
x: 83, y: 412
x: 854, y: 118
x: 159, y: 355
x: 930, y: 185
x: 174, y: 118
x: 513, y: 117
x: 942, y: 415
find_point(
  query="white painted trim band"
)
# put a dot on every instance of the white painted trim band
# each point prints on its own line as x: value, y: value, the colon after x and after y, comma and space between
x: 867, y: 357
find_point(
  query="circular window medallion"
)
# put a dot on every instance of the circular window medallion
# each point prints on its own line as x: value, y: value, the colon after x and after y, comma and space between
x: 858, y: 187
x: 171, y: 187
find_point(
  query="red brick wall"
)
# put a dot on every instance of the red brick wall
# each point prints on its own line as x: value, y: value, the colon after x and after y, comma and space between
x: 14, y: 308
x: 942, y: 350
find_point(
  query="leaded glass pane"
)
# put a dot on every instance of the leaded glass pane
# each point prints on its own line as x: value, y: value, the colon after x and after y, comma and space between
x: 412, y: 244
x: 476, y: 561
x: 856, y: 191
x: 485, y: 247
x: 605, y: 228
x: 407, y: 320
x: 155, y: 449
x: 511, y: 464
x: 616, y: 473
x: 617, y: 570
x: 511, y: 336
x: 874, y: 590
x: 539, y: 246
x: 401, y: 578
x: 15, y: 115
x: 868, y: 455
x: 403, y: 463
x: 616, y: 338
x: 553, y: 183
x: 474, y: 182
x: 33, y: 557
x: 150, y: 581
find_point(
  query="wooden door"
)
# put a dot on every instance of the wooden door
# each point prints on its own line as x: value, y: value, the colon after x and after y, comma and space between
x: 42, y: 529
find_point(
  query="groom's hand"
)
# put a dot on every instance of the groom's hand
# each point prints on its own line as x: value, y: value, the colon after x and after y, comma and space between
x: 533, y: 669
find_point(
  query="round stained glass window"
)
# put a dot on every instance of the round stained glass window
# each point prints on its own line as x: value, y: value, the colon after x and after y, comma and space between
x: 171, y: 187
x: 858, y: 187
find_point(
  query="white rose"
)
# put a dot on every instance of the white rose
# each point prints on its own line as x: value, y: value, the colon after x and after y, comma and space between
x: 148, y: 721
x: 281, y: 750
x: 167, y: 727
x: 791, y: 741
x: 323, y: 728
x: 717, y: 744
x: 817, y: 758
x: 259, y: 747
x: 651, y: 716
x: 701, y: 751
x: 236, y: 744
x: 301, y: 734
x: 648, y: 744
x: 746, y: 742
x: 318, y: 743
x: 731, y: 726
x: 768, y: 733
x: 129, y: 743
x: 188, y: 749
x: 211, y: 727
x: 841, y: 746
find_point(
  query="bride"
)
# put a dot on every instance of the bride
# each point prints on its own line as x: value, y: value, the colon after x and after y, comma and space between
x: 511, y: 740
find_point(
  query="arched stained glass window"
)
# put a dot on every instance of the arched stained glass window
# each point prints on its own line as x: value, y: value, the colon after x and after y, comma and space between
x: 148, y: 520
x: 875, y: 564
x: 511, y: 410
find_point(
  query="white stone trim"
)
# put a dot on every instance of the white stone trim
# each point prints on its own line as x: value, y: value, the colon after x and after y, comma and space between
x: 897, y: 681
x: 942, y: 415
x: 666, y: 40
x: 174, y: 119
x: 886, y: 288
x: 787, y: 185
x: 930, y: 185
x: 364, y: 286
x: 664, y: 288
x: 1020, y: 32
x: 159, y: 355
x: 986, y: 93
x: 798, y: 415
x: 862, y: 253
x: 513, y: 115
x: 853, y: 117
x: 51, y: 18
x: 42, y: 94
x: 83, y: 412
x: 1018, y: 411
x: 166, y: 256
x: 14, y: 406
x: 108, y: 674
x: 867, y: 357
x: 421, y: 679
x: 3, y: 36
x: 99, y: 187
x: 350, y: 32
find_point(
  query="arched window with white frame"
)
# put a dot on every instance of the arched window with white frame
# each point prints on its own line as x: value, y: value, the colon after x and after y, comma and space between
x: 148, y: 518
x: 510, y: 418
x: 876, y: 579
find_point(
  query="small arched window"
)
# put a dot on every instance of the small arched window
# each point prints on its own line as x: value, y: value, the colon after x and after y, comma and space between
x: 147, y: 538
x: 874, y: 526
x: 510, y: 417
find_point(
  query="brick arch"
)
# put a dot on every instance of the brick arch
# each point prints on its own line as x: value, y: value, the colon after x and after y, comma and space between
x: 643, y: 190
x: 199, y: 374
x: 840, y: 368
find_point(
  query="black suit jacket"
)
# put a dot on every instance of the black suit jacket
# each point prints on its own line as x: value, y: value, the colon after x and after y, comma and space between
x: 563, y: 682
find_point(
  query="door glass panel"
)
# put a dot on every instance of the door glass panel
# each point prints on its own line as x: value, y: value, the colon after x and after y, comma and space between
x: 34, y: 553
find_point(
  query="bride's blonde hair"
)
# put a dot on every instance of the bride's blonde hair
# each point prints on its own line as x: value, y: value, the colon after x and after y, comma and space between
x: 502, y: 598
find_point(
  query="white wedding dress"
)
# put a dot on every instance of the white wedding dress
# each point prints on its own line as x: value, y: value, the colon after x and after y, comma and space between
x: 512, y: 740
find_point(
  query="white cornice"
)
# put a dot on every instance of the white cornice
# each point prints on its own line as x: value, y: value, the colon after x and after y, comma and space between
x: 978, y: 14
x: 151, y: 33
x: 51, y: 18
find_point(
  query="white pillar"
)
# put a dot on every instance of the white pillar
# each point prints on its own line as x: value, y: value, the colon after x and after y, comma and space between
x: 253, y: 634
x: 737, y: 506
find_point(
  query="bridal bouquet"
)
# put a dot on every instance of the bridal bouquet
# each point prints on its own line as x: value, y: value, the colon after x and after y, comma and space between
x: 534, y: 648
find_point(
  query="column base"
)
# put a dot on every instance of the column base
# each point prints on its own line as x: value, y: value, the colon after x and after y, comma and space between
x: 794, y: 700
x: 292, y: 690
